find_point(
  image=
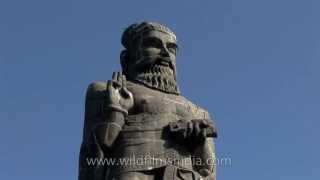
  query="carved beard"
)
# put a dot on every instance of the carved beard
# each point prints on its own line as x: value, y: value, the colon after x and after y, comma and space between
x: 159, y: 77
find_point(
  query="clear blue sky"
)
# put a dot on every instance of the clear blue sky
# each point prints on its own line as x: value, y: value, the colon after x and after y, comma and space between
x: 254, y: 64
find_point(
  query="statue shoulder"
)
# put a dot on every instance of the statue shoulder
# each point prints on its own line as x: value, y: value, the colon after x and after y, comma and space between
x: 94, y: 105
x: 96, y: 90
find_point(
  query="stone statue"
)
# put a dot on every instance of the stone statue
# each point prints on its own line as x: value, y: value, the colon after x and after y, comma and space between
x: 140, y: 115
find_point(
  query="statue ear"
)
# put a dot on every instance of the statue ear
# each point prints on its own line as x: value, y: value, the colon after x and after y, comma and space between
x: 124, y: 58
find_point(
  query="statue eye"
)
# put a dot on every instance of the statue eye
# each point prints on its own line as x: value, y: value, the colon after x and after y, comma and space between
x: 151, y: 42
x: 172, y: 47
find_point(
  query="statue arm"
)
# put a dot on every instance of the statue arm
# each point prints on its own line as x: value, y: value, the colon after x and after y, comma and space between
x: 90, y: 147
x: 107, y: 123
x: 108, y: 131
x: 206, y: 155
x: 96, y: 141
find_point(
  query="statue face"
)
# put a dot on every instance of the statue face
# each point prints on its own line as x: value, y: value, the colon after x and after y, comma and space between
x: 154, y: 47
x: 153, y: 61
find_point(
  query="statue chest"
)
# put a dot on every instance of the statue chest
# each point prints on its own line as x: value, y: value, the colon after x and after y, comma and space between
x: 159, y: 104
x: 153, y: 111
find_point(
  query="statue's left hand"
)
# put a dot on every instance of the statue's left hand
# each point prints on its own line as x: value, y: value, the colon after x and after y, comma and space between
x: 202, y: 128
x: 199, y: 129
x: 195, y: 130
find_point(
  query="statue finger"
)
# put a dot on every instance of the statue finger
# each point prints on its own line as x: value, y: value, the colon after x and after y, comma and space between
x: 115, y: 81
x: 109, y: 85
x: 197, y: 129
x: 119, y: 78
x: 125, y: 92
x: 204, y: 123
x: 114, y: 76
x: 116, y: 84
x: 130, y: 96
x: 110, y: 88
x: 124, y: 81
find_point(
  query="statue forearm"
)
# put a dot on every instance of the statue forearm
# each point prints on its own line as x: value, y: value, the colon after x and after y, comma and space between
x: 118, y: 100
x: 108, y: 132
x: 206, y: 155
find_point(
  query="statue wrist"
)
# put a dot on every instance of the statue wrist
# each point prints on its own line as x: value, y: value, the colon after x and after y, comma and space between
x: 114, y: 114
x: 116, y: 108
x: 107, y: 133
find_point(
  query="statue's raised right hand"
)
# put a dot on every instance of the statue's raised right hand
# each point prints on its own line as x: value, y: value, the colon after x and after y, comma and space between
x: 118, y: 96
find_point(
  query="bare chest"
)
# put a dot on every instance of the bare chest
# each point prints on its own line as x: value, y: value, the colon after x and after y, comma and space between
x: 158, y: 103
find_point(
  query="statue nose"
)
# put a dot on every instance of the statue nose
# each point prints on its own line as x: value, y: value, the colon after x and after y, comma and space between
x: 164, y: 51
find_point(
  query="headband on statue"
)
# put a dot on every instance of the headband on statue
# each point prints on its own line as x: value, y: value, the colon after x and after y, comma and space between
x: 137, y: 30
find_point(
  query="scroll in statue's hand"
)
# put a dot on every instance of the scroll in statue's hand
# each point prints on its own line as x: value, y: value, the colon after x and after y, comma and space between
x: 119, y: 98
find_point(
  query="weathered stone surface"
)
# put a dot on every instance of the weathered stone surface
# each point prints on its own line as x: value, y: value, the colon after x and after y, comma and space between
x: 137, y: 125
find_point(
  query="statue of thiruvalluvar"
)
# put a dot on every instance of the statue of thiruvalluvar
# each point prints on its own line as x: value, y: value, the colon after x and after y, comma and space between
x: 137, y: 125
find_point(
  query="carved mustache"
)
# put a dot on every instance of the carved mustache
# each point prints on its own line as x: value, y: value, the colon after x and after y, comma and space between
x: 151, y: 60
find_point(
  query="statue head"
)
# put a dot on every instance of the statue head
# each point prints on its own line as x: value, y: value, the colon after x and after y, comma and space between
x: 149, y: 57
